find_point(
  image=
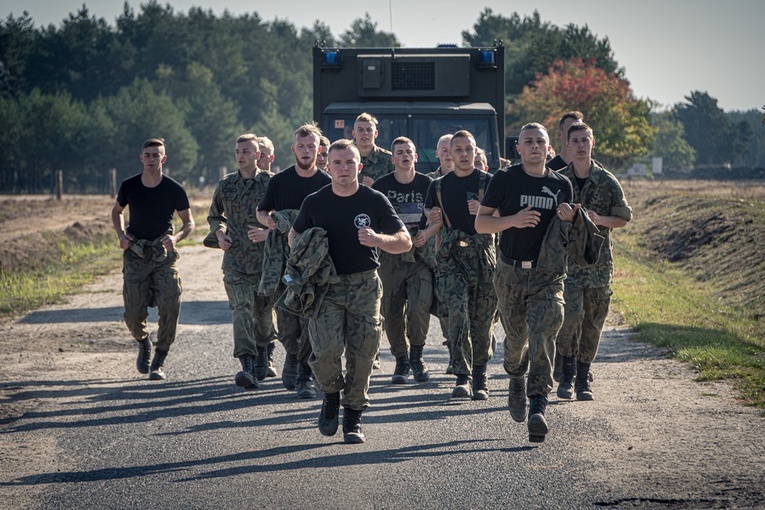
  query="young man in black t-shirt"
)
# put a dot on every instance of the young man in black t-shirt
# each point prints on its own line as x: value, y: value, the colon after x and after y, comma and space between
x: 465, y: 266
x: 358, y: 221
x: 150, y: 261
x: 527, y: 197
x: 283, y: 197
x: 407, y: 279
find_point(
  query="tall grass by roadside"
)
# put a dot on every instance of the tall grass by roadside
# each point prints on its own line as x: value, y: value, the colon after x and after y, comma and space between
x: 670, y: 307
x: 71, y: 262
x: 79, y: 262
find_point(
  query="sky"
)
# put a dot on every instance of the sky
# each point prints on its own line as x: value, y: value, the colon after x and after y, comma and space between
x: 668, y: 48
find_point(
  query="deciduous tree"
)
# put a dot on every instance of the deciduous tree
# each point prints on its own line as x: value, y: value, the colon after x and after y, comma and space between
x: 619, y: 119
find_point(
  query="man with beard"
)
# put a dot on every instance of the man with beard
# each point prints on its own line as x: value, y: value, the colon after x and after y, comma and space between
x: 278, y: 209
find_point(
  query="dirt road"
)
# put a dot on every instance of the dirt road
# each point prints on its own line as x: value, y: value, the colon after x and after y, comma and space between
x: 653, y: 438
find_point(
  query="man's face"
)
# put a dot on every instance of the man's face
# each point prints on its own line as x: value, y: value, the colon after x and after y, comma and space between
x: 306, y: 148
x: 266, y: 158
x: 533, y: 145
x: 443, y: 155
x: 481, y: 163
x: 404, y: 156
x: 344, y: 167
x: 364, y: 133
x: 580, y: 144
x: 463, y: 152
x: 153, y: 158
x: 247, y: 155
x: 321, y: 157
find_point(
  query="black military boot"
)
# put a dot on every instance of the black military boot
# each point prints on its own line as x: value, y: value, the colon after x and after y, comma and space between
x: 582, y: 385
x: 537, y: 423
x: 401, y: 372
x: 352, y: 433
x: 419, y: 370
x: 304, y: 384
x: 566, y: 386
x: 156, y: 371
x: 261, y: 363
x: 557, y: 366
x: 290, y: 371
x: 516, y: 398
x: 144, y: 356
x: 270, y: 370
x: 480, y: 388
x: 245, y: 378
x: 462, y: 388
x: 328, y: 418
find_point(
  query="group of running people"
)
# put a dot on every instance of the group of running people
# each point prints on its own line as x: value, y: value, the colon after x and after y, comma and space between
x: 352, y: 241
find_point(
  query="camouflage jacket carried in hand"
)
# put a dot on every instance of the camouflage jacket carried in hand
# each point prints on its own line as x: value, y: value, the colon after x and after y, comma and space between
x: 276, y: 251
x: 566, y: 245
x: 602, y: 194
x: 308, y: 273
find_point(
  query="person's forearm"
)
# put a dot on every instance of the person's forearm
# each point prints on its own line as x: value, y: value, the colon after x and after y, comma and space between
x: 400, y: 242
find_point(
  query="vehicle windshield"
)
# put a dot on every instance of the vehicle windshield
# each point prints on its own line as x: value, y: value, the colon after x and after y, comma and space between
x: 424, y: 132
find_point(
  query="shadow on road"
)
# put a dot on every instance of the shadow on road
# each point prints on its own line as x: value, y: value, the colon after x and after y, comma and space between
x: 192, y: 312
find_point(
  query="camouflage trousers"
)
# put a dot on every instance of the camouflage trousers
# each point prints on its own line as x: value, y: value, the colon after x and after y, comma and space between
x: 531, y: 312
x: 148, y: 282
x: 251, y: 313
x: 406, y: 301
x: 292, y: 330
x: 348, y: 321
x: 465, y: 289
x: 585, y: 313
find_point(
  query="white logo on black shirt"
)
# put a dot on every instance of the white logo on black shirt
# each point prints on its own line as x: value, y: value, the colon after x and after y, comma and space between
x: 361, y: 221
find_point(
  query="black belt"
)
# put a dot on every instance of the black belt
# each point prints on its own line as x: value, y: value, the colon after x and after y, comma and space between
x: 523, y: 264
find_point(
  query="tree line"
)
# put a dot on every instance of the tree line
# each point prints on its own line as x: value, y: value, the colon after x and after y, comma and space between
x: 83, y: 95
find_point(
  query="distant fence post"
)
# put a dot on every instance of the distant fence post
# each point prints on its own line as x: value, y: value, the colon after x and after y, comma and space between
x: 59, y: 184
x: 113, y: 182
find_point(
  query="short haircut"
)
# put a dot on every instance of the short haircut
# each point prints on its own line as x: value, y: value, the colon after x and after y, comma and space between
x: 578, y: 126
x: 249, y: 137
x: 400, y: 140
x: 308, y: 130
x: 266, y: 143
x: 444, y: 138
x: 462, y: 133
x: 154, y: 142
x: 366, y: 117
x: 480, y: 151
x: 534, y: 125
x: 573, y: 114
x: 323, y: 141
x: 343, y: 144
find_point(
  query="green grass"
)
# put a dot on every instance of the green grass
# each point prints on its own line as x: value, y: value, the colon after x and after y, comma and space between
x: 80, y: 263
x: 668, y: 307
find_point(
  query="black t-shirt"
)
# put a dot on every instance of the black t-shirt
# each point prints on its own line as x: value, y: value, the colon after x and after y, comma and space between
x: 511, y: 190
x: 151, y: 209
x: 455, y: 192
x: 287, y: 189
x: 342, y: 217
x: 557, y: 163
x: 407, y: 199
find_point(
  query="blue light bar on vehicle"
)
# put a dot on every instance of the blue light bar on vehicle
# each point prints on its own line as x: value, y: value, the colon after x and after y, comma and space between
x: 486, y: 59
x: 331, y: 59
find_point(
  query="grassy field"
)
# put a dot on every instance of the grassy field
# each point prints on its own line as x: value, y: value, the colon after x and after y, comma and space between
x: 691, y: 276
x: 51, y: 248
